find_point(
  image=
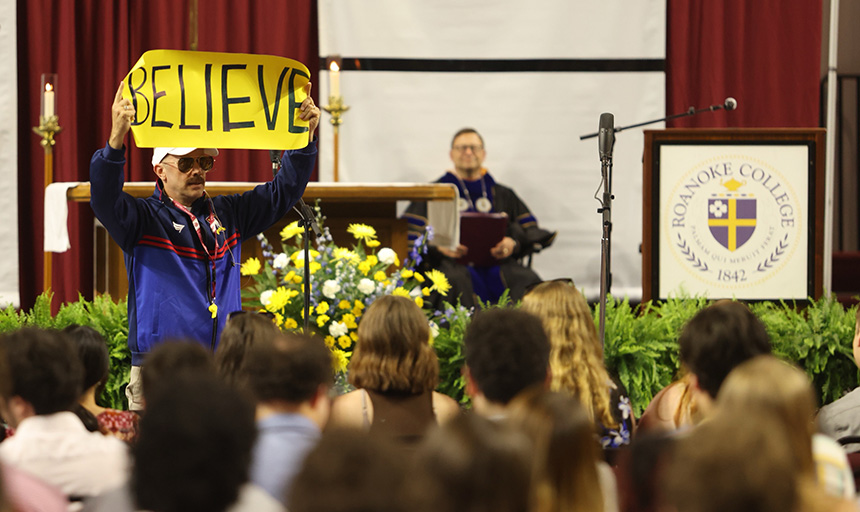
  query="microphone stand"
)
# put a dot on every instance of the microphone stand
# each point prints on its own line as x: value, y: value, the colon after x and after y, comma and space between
x: 309, y: 222
x: 606, y: 200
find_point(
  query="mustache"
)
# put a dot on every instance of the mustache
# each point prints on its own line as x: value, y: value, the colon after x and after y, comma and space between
x: 196, y: 180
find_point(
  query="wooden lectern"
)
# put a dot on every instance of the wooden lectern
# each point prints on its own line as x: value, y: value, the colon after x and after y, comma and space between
x: 341, y: 203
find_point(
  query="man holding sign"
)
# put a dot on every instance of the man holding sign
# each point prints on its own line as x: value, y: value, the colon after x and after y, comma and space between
x: 182, y: 247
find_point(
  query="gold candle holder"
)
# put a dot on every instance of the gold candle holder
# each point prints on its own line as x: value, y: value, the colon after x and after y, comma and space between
x: 48, y: 127
x: 336, y: 108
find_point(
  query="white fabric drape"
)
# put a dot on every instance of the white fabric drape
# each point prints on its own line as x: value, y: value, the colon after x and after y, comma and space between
x: 9, y: 290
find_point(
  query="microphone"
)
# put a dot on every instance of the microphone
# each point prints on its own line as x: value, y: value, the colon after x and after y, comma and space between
x: 606, y: 135
x: 301, y: 207
x: 730, y: 103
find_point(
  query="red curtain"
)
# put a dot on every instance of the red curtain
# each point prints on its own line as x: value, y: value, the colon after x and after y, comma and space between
x: 764, y: 53
x: 91, y: 45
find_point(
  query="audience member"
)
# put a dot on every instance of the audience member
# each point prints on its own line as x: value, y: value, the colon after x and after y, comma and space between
x: 172, y: 359
x: 50, y: 442
x: 714, y: 341
x: 842, y: 417
x: 93, y: 353
x: 471, y: 464
x: 290, y: 379
x: 395, y: 370
x: 242, y: 332
x: 641, y: 471
x: 770, y: 385
x: 672, y: 408
x: 351, y: 471
x: 507, y: 351
x: 576, y: 359
x: 568, y: 474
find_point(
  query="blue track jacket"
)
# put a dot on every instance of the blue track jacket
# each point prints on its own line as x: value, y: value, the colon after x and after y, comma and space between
x: 169, y: 273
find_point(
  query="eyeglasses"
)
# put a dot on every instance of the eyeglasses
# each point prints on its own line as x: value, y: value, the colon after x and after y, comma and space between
x: 234, y: 314
x: 185, y: 163
x: 463, y: 147
x: 530, y: 288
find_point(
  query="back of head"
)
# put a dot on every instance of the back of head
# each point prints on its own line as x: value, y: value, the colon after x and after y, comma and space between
x: 290, y: 369
x: 565, y: 450
x: 507, y: 351
x: 350, y: 471
x: 194, y: 445
x: 174, y: 358
x: 576, y: 358
x: 770, y: 386
x: 719, y: 338
x: 471, y: 464
x: 393, y: 352
x: 45, y: 369
x: 93, y: 353
x: 733, y: 462
x: 240, y: 334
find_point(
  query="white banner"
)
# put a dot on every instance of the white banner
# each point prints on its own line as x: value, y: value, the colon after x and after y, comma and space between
x: 9, y: 289
x: 400, y: 123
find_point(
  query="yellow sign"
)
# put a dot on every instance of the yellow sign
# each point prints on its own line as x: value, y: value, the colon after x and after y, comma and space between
x: 217, y: 100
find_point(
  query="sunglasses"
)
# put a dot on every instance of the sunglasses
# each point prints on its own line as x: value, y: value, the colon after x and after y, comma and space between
x: 185, y: 163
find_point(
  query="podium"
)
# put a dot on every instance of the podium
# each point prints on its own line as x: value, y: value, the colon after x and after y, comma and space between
x: 342, y: 204
x: 733, y: 213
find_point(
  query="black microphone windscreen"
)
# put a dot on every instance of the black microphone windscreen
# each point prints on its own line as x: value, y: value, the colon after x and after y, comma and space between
x: 606, y: 135
x: 730, y: 103
x: 275, y: 156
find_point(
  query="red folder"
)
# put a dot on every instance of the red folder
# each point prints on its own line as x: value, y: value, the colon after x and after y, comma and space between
x: 480, y: 232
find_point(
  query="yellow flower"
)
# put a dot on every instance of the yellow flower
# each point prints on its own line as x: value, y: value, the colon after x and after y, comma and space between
x: 361, y: 232
x: 251, y: 267
x: 380, y: 276
x: 356, y: 312
x: 359, y: 305
x: 289, y: 277
x: 339, y: 360
x: 314, y: 266
x: 372, y: 243
x: 341, y: 253
x: 344, y: 304
x: 292, y: 229
x: 419, y: 277
x: 419, y: 301
x: 321, y: 320
x: 322, y: 307
x: 425, y: 291
x: 278, y: 300
x: 400, y: 292
x: 279, y: 319
x: 344, y: 341
x: 329, y: 341
x: 364, y: 267
x: 354, y: 336
x: 349, y: 320
x: 440, y: 282
x: 290, y: 323
x: 406, y: 273
x: 298, y: 279
x: 372, y: 260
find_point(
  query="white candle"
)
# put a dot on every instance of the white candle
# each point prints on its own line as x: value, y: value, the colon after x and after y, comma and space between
x: 49, y: 100
x: 335, y: 79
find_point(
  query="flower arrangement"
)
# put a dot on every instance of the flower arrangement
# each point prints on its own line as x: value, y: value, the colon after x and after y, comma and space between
x: 344, y: 281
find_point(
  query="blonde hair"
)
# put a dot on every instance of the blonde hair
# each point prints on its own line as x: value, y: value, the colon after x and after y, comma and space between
x: 564, y: 471
x: 393, y: 351
x: 576, y: 357
x: 775, y: 387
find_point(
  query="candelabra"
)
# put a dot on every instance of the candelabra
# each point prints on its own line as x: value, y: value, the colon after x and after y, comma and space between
x: 49, y: 127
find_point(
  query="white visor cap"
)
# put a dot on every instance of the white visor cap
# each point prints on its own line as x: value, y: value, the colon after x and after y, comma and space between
x: 158, y: 154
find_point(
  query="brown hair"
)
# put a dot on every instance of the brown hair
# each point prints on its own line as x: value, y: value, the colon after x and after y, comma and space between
x: 564, y: 472
x: 393, y: 351
x: 576, y: 358
x: 241, y: 333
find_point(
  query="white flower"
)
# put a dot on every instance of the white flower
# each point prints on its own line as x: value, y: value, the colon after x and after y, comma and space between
x: 338, y: 329
x: 330, y: 288
x: 266, y: 297
x: 281, y: 261
x: 434, y: 330
x: 386, y: 255
x: 366, y: 286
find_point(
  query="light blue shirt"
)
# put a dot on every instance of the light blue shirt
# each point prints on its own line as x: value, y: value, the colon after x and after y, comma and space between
x: 283, y: 442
